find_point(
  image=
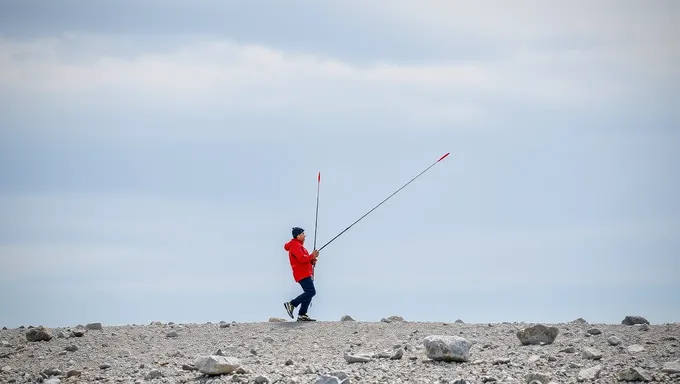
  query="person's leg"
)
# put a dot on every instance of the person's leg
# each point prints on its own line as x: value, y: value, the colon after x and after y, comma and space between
x: 306, y: 298
x: 308, y: 291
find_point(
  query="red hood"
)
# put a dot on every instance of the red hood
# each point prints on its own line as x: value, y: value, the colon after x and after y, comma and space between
x: 289, y: 243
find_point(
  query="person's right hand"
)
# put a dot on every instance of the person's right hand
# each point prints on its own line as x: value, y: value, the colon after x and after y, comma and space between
x: 315, y: 253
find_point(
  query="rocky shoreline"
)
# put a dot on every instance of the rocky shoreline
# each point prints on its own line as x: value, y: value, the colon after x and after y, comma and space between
x: 347, y: 351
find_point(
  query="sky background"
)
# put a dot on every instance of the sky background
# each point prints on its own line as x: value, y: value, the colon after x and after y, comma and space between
x: 154, y: 156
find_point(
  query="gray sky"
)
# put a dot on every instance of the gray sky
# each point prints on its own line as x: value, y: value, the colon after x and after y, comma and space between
x: 155, y: 156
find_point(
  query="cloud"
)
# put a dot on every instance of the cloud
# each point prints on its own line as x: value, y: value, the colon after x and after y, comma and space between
x: 218, y: 82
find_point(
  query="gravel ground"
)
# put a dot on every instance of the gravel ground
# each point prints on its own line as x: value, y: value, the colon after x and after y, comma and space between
x: 347, y: 351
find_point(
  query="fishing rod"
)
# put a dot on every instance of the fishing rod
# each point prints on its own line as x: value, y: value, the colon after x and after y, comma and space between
x: 318, y: 184
x: 388, y: 197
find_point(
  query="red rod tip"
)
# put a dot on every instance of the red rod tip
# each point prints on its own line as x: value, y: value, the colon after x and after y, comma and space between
x: 319, y: 177
x: 442, y: 158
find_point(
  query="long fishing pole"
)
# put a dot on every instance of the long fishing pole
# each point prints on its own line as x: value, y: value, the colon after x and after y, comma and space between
x: 316, y: 220
x: 388, y: 197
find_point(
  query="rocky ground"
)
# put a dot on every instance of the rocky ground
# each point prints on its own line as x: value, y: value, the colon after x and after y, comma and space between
x: 344, y: 351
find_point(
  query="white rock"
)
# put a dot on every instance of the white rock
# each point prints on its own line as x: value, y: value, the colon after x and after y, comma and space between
x: 357, y: 357
x: 216, y: 365
x: 447, y: 348
x: 589, y: 374
x: 591, y: 354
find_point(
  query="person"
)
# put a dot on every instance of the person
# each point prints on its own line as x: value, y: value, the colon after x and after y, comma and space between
x: 302, y: 263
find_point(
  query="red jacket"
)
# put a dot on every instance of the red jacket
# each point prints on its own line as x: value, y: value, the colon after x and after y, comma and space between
x: 301, y: 261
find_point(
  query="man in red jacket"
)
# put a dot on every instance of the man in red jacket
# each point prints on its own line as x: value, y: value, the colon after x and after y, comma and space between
x: 302, y: 264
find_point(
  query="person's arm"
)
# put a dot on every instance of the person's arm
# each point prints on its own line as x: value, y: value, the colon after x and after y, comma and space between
x: 301, y: 255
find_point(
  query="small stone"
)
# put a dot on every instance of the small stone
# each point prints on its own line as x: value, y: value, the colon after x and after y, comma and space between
x: 347, y: 318
x: 327, y: 379
x: 568, y: 350
x: 216, y: 365
x: 289, y: 362
x: 636, y: 348
x: 261, y: 379
x: 357, y: 358
x: 502, y: 360
x: 78, y: 332
x: 172, y: 333
x: 104, y: 366
x: 589, y: 374
x: 634, y: 374
x: 536, y: 376
x: 671, y: 367
x: 591, y: 354
x: 594, y: 331
x: 73, y: 373
x: 71, y: 348
x: 52, y: 372
x: 614, y: 340
x: 397, y: 354
x: 153, y: 374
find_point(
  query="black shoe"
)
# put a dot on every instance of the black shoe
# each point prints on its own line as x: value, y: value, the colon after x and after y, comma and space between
x: 289, y: 308
x: 305, y: 318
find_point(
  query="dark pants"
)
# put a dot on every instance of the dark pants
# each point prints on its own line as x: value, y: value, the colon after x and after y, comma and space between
x: 305, y: 297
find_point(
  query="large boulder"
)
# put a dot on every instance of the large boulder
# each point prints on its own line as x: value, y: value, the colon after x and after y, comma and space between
x: 392, y: 319
x: 537, y: 334
x: 447, y: 348
x: 633, y: 320
x: 94, y: 326
x: 216, y: 365
x: 38, y: 334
